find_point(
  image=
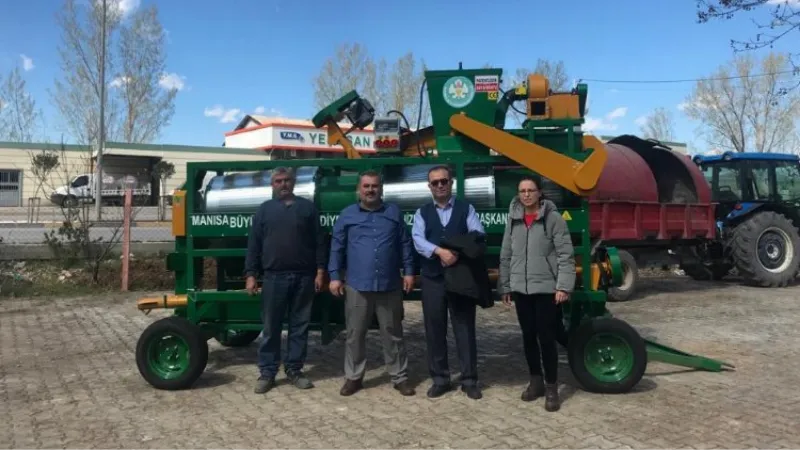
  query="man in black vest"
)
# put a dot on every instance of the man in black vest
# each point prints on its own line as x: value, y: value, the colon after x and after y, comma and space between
x: 443, y: 218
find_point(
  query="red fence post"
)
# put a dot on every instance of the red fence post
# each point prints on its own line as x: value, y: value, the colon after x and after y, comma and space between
x: 126, y: 239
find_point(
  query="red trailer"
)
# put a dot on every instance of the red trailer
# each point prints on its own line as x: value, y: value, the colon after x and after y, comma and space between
x: 648, y: 201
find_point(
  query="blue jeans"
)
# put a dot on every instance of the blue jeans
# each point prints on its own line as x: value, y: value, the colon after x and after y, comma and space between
x: 282, y: 293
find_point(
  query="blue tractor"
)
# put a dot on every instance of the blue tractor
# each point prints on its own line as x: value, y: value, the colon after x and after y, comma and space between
x: 758, y: 199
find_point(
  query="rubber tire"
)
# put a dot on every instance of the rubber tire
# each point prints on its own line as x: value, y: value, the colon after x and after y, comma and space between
x: 198, y: 352
x: 575, y: 354
x: 616, y: 294
x: 240, y: 339
x: 744, y: 249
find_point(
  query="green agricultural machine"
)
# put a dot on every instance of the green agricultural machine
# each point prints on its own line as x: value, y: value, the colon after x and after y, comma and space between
x: 469, y: 108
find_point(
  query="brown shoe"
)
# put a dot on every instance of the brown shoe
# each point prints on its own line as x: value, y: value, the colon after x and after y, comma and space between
x: 534, y: 390
x: 405, y: 389
x: 551, y: 400
x: 351, y: 387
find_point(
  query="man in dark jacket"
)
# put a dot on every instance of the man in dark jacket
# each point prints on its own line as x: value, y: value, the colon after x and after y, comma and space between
x: 445, y: 218
x: 287, y: 247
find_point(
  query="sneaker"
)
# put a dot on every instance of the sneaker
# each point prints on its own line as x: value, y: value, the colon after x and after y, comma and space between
x: 299, y: 380
x: 264, y: 384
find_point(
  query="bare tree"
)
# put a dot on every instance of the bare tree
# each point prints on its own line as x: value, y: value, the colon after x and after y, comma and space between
x: 139, y: 105
x: 743, y: 107
x: 147, y: 108
x: 352, y: 68
x: 784, y: 18
x: 18, y: 113
x: 77, y: 97
x: 659, y: 125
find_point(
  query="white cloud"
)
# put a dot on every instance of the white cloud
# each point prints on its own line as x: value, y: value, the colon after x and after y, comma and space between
x: 118, y: 82
x: 641, y: 121
x: 27, y: 63
x: 272, y: 112
x: 605, y: 123
x: 172, y: 81
x: 224, y: 115
x: 128, y: 6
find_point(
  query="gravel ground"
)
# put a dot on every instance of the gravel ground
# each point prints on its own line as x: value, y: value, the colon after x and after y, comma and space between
x: 68, y: 379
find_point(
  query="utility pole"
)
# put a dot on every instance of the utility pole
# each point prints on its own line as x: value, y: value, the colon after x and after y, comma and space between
x: 98, y: 182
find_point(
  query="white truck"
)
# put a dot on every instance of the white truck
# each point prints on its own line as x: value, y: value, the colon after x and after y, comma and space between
x: 81, y: 189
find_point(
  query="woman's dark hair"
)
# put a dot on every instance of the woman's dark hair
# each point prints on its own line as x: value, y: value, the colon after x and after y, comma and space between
x: 536, y: 181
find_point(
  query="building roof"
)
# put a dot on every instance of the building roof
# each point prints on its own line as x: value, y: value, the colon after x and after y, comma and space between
x: 256, y: 121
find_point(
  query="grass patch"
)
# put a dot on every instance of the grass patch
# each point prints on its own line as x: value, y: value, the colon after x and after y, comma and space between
x: 49, y: 278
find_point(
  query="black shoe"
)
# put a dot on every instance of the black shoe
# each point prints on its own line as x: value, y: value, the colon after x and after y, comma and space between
x: 438, y: 390
x: 472, y: 391
x: 551, y: 400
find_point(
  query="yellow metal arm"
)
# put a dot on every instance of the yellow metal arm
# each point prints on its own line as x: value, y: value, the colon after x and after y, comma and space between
x: 337, y: 137
x: 579, y: 177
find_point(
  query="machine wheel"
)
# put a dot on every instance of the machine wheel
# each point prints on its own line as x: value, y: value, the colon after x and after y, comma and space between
x: 233, y: 338
x: 172, y: 353
x: 607, y: 356
x: 766, y: 250
x: 630, y: 279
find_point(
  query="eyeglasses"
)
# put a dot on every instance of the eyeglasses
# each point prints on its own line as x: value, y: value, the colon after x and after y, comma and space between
x: 440, y: 182
x: 528, y: 191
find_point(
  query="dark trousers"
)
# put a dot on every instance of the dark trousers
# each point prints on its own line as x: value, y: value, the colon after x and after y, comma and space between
x: 435, y: 305
x: 538, y: 317
x: 291, y: 293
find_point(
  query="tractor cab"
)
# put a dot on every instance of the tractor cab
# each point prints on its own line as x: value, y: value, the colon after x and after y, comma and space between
x: 741, y: 182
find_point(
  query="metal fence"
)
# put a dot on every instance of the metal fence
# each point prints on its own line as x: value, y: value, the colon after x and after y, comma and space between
x: 29, y: 225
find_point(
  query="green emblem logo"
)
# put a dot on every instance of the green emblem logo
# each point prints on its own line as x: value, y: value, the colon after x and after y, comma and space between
x: 458, y: 92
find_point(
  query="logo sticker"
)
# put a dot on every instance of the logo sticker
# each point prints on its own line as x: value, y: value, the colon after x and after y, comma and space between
x: 458, y: 92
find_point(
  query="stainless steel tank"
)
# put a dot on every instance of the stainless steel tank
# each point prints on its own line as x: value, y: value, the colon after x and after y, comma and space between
x: 245, y: 191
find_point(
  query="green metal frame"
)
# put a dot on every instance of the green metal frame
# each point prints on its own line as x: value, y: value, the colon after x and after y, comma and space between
x: 224, y: 236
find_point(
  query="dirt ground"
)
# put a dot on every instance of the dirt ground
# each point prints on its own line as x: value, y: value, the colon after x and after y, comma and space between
x: 68, y: 379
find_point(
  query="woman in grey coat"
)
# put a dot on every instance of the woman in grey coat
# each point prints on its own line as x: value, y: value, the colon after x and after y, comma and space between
x: 537, y: 273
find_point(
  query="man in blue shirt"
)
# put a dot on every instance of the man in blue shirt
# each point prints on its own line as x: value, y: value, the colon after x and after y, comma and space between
x: 445, y: 217
x: 370, y: 245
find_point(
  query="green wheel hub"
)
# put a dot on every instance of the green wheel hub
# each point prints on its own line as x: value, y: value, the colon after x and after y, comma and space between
x: 608, y: 357
x: 168, y: 356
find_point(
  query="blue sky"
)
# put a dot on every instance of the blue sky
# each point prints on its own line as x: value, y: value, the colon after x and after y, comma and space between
x: 248, y: 54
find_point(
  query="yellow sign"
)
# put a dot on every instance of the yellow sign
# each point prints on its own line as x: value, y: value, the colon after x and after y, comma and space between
x: 566, y: 215
x: 492, y: 95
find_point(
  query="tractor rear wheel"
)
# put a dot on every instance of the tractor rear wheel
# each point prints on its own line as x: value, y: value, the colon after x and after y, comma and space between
x: 172, y: 353
x: 607, y: 356
x: 766, y: 249
x: 630, y: 279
